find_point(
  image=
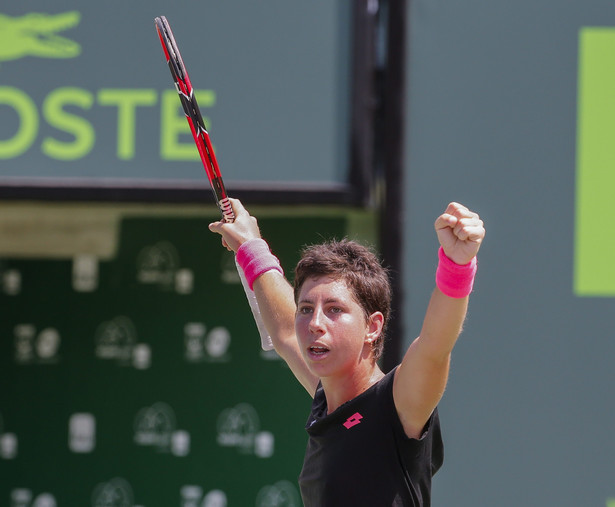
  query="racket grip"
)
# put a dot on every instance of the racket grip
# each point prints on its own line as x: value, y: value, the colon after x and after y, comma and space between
x: 266, y: 343
x: 227, y: 212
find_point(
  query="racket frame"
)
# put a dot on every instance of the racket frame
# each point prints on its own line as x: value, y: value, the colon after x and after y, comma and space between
x: 193, y: 115
x: 206, y: 152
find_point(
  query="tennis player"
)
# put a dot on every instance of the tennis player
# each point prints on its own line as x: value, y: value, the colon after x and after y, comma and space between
x: 374, y: 438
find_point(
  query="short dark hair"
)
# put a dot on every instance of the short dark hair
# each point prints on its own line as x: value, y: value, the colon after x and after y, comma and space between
x: 359, y: 268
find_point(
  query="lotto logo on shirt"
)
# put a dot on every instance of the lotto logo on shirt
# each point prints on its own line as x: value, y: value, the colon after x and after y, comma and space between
x: 353, y: 420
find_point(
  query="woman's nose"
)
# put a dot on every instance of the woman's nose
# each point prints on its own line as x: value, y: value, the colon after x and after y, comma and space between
x: 316, y: 321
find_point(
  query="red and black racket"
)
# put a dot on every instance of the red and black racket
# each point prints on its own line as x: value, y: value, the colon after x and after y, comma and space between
x: 208, y: 157
x: 193, y: 115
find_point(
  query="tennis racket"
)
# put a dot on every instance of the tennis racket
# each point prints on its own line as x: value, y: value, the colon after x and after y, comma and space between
x: 206, y: 152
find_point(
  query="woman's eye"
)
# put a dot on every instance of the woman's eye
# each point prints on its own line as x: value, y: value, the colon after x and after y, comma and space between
x: 305, y: 310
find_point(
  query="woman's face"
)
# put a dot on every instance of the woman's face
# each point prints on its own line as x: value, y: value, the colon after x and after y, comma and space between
x: 331, y: 327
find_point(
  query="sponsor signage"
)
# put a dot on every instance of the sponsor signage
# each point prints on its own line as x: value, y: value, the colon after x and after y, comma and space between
x: 86, y: 95
x: 595, y: 185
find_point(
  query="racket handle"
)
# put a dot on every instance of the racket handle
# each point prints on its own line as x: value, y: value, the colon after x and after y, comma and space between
x: 227, y: 211
x: 266, y: 343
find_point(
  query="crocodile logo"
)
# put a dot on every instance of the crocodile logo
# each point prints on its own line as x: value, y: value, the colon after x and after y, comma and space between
x: 36, y: 34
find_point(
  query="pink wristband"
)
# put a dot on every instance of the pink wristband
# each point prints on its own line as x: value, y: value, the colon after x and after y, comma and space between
x: 255, y: 258
x: 452, y: 279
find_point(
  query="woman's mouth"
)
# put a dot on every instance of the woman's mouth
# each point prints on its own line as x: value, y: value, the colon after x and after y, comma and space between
x: 317, y: 351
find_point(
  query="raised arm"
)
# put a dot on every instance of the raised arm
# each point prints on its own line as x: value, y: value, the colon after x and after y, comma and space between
x: 421, y: 378
x: 273, y: 293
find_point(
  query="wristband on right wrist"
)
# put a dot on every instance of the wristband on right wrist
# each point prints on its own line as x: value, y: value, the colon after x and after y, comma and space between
x: 455, y: 280
x: 255, y: 259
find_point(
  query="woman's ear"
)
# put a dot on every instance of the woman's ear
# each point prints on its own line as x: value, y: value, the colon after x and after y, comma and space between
x: 375, y: 323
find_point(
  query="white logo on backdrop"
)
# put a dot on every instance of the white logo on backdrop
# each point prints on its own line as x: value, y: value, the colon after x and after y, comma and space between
x: 85, y: 273
x: 114, y: 493
x: 184, y: 281
x: 11, y: 282
x: 23, y: 497
x: 155, y: 427
x: 201, y: 345
x: 159, y: 265
x: 280, y: 494
x: 32, y: 347
x: 192, y: 496
x: 239, y: 427
x: 8, y: 443
x: 82, y: 432
x: 116, y: 340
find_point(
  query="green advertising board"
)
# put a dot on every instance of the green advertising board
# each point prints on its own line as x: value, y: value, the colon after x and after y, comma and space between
x: 595, y: 184
x: 86, y: 94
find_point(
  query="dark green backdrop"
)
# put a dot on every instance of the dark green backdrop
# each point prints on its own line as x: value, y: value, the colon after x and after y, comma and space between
x: 144, y: 383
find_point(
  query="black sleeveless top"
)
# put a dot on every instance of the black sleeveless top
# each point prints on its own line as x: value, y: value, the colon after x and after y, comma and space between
x: 359, y: 455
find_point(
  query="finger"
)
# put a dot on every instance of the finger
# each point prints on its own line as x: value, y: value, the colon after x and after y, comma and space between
x: 460, y: 211
x: 469, y: 222
x: 238, y: 207
x: 216, y: 227
x: 469, y: 230
x: 446, y: 220
x: 238, y: 210
x: 454, y: 208
x: 462, y: 234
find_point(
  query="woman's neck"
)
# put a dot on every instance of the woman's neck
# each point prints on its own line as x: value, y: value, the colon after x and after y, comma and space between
x: 341, y: 390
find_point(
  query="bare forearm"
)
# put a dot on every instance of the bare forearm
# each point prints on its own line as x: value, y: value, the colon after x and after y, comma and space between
x: 422, y: 376
x: 276, y: 303
x: 273, y: 293
x: 443, y: 324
